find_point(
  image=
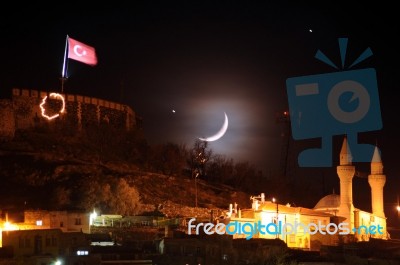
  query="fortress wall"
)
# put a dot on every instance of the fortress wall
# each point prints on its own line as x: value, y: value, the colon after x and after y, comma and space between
x: 23, y: 111
x: 7, y: 122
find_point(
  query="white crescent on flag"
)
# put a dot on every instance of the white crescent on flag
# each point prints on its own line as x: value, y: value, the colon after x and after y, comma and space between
x: 81, y: 52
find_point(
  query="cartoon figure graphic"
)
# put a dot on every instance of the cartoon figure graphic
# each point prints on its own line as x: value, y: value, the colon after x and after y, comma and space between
x: 324, y: 105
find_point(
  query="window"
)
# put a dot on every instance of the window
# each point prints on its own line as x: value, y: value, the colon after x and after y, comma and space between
x: 78, y: 221
x: 300, y: 242
x: 372, y: 218
x: 39, y: 222
x: 21, y: 242
x: 183, y: 250
x: 61, y: 224
x: 292, y: 239
x: 212, y: 252
x: 27, y: 242
x: 54, y: 241
x: 48, y: 241
x: 37, y: 245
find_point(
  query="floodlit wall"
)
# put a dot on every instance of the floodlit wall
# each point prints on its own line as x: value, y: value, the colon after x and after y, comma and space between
x: 23, y: 111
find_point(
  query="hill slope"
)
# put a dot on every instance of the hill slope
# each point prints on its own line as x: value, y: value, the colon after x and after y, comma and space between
x: 46, y: 170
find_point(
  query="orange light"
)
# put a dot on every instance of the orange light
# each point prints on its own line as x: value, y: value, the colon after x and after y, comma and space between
x: 9, y: 227
x: 55, y: 96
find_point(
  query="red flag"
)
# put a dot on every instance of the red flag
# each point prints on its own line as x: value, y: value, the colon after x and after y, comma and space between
x: 81, y: 52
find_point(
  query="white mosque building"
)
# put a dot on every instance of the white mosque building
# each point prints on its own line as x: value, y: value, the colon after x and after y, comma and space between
x: 342, y: 205
x: 333, y: 213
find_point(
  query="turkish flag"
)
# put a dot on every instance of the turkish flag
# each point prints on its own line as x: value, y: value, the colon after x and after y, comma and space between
x: 81, y: 52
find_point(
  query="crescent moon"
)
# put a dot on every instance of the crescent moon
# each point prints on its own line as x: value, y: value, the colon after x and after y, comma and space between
x: 220, y: 133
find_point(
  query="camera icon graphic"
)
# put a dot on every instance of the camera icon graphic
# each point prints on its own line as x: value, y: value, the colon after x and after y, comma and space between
x: 324, y: 105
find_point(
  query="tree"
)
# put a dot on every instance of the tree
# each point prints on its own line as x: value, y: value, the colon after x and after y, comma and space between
x: 244, y: 174
x: 220, y: 169
x: 112, y: 195
x: 61, y: 197
x: 93, y: 193
x: 199, y: 156
x: 127, y: 199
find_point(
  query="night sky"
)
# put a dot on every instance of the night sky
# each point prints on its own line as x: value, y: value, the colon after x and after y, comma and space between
x: 202, y: 59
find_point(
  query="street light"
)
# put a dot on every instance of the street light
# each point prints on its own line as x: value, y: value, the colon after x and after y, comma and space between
x: 92, y: 217
x: 277, y: 213
x: 195, y: 185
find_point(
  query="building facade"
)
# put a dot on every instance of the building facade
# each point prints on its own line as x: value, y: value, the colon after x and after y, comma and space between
x: 65, y: 221
x: 47, y: 246
x: 332, y: 221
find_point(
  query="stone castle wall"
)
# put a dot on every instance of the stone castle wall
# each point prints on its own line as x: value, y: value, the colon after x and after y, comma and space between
x: 7, y: 120
x: 23, y: 111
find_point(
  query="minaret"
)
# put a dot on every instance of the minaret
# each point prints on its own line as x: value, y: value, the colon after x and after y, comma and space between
x: 346, y: 172
x: 377, y: 181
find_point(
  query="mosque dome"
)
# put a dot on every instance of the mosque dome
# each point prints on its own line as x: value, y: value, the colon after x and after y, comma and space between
x: 328, y: 202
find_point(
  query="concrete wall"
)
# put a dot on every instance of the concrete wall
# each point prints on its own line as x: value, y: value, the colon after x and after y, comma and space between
x: 44, y: 246
x: 66, y: 221
x: 26, y: 242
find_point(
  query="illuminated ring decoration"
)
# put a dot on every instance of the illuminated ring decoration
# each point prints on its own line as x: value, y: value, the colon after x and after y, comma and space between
x: 55, y: 96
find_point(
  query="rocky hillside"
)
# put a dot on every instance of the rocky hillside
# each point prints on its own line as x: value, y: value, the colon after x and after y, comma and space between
x: 49, y: 171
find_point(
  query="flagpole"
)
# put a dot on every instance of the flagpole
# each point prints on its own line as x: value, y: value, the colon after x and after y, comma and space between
x: 64, y: 69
